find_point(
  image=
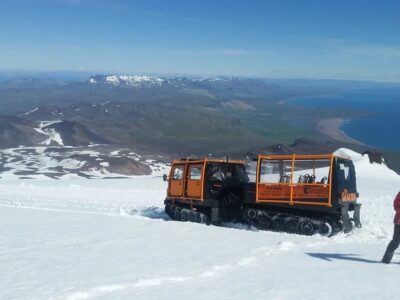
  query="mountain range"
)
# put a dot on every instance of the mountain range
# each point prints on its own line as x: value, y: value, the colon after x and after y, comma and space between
x: 168, y: 116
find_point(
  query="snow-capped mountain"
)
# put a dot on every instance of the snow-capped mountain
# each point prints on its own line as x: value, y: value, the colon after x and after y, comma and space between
x: 127, y: 80
x: 139, y: 81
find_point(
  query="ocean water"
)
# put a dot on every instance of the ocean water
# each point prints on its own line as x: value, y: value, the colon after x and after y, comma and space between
x: 381, y: 131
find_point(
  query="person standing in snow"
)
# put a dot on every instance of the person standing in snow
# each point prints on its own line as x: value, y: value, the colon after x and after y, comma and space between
x: 395, y: 242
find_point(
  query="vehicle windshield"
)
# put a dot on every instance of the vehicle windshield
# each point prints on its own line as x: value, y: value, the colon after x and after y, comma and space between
x: 221, y: 172
x: 346, y: 175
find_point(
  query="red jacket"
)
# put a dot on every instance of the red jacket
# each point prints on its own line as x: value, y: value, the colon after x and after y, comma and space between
x: 396, y: 205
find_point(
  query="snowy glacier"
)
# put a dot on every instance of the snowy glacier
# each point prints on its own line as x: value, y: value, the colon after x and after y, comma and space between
x: 110, y: 239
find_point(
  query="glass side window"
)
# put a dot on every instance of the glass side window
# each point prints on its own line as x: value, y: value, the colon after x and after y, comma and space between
x: 251, y: 170
x: 195, y: 173
x: 215, y: 173
x: 311, y: 171
x: 241, y: 174
x: 178, y: 173
x: 275, y: 171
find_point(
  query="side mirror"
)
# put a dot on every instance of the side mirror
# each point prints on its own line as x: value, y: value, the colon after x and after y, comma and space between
x: 165, y: 177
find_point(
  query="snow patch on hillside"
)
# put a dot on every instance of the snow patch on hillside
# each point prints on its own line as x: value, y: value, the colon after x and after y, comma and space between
x: 157, y: 168
x: 53, y: 136
x: 29, y: 112
x: 60, y: 162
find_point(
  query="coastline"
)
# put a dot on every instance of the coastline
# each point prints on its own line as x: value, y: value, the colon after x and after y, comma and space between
x: 374, y: 128
x: 287, y: 100
x: 331, y: 128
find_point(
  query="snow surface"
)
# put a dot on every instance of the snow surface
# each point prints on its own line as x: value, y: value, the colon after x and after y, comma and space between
x: 110, y: 239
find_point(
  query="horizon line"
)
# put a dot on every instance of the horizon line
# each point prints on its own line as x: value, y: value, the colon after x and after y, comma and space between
x: 105, y: 72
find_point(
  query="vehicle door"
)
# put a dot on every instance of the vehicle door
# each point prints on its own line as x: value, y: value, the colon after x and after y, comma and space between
x: 176, y: 181
x: 194, y: 179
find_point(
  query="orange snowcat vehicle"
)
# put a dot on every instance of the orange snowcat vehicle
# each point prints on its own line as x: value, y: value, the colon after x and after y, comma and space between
x: 302, y: 194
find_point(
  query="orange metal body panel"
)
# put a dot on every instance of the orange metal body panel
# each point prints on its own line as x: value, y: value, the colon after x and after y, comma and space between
x: 269, y: 191
x: 310, y: 191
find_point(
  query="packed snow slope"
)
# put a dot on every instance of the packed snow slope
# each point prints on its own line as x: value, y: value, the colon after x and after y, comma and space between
x: 110, y: 239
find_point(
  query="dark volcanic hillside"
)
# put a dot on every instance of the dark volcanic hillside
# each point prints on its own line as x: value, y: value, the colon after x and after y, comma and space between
x: 147, y: 127
x: 21, y: 131
x: 15, y: 131
x: 75, y: 134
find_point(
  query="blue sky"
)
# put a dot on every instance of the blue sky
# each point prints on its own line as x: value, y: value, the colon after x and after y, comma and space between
x: 273, y: 38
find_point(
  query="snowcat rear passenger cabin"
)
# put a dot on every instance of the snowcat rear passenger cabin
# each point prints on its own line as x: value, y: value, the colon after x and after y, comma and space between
x: 317, y: 186
x: 204, y: 190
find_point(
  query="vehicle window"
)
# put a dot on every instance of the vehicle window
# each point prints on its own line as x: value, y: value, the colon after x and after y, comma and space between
x: 311, y: 171
x: 195, y: 173
x: 275, y: 171
x: 216, y: 173
x: 241, y: 174
x: 251, y: 170
x: 345, y: 171
x: 178, y: 173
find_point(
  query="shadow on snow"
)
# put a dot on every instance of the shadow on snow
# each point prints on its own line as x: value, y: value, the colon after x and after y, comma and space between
x: 339, y: 256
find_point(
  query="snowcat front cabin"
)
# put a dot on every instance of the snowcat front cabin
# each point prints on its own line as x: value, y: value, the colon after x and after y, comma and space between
x: 205, y: 190
x: 303, y: 194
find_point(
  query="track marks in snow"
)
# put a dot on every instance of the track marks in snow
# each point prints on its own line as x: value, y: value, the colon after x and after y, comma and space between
x: 217, y: 270
x: 246, y: 261
x: 214, y: 271
x: 220, y: 270
x: 158, y: 281
x: 108, y: 289
x: 285, y: 246
x: 95, y: 292
x: 143, y: 283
